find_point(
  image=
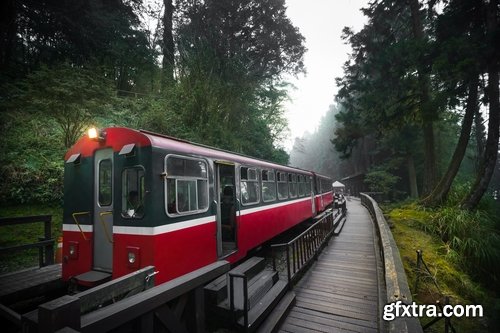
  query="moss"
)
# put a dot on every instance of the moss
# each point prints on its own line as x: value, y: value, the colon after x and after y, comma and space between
x: 408, y: 228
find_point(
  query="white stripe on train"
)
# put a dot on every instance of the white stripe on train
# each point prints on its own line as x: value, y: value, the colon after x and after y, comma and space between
x: 152, y: 231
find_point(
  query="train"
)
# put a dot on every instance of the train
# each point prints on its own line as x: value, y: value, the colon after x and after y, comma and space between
x: 134, y: 198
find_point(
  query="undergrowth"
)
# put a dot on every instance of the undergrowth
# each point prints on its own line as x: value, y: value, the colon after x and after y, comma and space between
x: 462, y: 251
x: 12, y: 235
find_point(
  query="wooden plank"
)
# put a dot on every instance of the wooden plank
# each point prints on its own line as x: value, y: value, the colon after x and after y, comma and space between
x: 39, y: 244
x: 335, y: 296
x: 338, y: 308
x: 278, y: 313
x: 333, y: 322
x: 291, y: 327
x: 25, y: 284
x: 354, y: 302
x: 24, y: 219
x: 59, y: 313
x: 355, y: 321
x: 257, y: 314
x: 315, y: 327
x: 131, y: 283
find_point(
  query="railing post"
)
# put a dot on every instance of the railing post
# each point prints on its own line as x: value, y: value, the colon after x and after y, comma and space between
x: 49, y: 249
x: 245, y: 299
x: 417, y: 277
x: 273, y: 254
x: 59, y: 313
x: 289, y: 275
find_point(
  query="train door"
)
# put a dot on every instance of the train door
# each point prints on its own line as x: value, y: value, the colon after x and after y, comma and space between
x: 103, y: 211
x: 227, y: 206
x: 311, y: 190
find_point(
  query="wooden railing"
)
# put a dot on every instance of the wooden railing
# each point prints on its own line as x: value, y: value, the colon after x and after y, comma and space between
x: 305, y: 247
x: 44, y: 244
x: 174, y: 306
x: 396, y: 283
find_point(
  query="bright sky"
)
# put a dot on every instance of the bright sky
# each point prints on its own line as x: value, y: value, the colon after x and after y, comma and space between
x: 321, y: 23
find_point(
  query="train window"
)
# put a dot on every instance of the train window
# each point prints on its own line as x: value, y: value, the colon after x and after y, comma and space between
x: 292, y: 183
x: 325, y: 186
x: 249, y: 186
x: 186, y: 186
x: 105, y: 182
x: 282, y: 186
x: 133, y: 192
x: 268, y: 186
x: 308, y: 186
x: 301, y: 185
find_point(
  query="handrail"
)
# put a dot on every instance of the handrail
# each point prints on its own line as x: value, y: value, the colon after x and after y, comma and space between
x: 395, y: 278
x: 47, y: 242
x: 78, y: 224
x: 101, y: 214
x: 304, y: 247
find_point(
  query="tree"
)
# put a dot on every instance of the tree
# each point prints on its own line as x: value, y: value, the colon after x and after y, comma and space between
x: 440, y: 192
x: 49, y: 32
x: 168, y: 43
x: 72, y: 96
x: 231, y: 57
x: 487, y: 166
x: 427, y: 109
x: 385, y: 87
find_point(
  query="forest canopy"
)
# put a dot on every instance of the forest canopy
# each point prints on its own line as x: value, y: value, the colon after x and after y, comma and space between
x: 206, y: 71
x: 420, y: 92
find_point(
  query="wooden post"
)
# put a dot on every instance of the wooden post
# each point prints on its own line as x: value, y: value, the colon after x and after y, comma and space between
x: 199, y: 309
x: 417, y: 277
x: 59, y: 313
x: 49, y: 249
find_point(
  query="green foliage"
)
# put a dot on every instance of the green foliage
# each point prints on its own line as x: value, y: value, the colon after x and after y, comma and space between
x: 380, y: 180
x: 255, y: 35
x: 414, y: 228
x: 471, y: 239
x: 12, y: 235
x: 72, y: 96
x: 77, y: 65
x: 474, y: 236
x: 402, y: 79
x: 31, y: 165
x: 78, y: 32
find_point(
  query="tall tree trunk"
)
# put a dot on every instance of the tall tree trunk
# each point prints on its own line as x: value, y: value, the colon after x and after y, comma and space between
x: 412, y: 176
x: 491, y: 150
x: 480, y: 137
x: 168, y: 44
x: 430, y: 165
x: 440, y: 192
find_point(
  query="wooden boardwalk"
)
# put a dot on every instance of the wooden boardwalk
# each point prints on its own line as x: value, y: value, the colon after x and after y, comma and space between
x: 340, y: 292
x: 30, y: 282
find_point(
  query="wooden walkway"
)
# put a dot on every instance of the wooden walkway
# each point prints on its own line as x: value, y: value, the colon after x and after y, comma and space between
x: 340, y: 292
x: 35, y: 281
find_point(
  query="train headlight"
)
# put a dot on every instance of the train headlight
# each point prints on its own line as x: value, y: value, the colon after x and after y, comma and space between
x: 133, y: 257
x: 96, y: 134
x: 73, y: 250
x: 92, y: 133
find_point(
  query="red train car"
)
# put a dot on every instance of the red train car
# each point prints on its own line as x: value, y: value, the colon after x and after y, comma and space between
x: 135, y: 198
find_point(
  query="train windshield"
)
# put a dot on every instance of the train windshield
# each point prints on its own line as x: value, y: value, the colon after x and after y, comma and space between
x: 133, y: 192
